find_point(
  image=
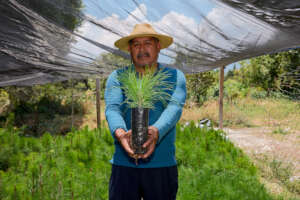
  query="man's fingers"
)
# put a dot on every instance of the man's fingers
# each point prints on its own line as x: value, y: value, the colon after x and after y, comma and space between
x: 124, y: 139
x: 151, y: 142
x: 129, y: 138
x: 148, y: 142
x: 149, y: 152
x: 127, y: 148
x: 126, y: 144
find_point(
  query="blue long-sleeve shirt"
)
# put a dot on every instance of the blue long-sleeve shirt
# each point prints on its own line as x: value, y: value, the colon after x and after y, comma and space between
x: 163, y: 117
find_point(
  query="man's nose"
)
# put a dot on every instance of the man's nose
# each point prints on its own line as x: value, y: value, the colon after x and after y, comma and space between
x: 142, y: 47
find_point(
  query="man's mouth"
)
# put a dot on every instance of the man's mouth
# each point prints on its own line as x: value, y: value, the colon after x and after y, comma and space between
x: 141, y: 55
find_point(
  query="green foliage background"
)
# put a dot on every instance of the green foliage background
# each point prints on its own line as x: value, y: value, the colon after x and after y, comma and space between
x: 44, y: 108
x: 76, y: 166
x: 276, y: 75
x: 198, y: 86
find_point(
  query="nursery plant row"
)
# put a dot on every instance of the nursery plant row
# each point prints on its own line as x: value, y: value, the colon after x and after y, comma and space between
x: 76, y: 166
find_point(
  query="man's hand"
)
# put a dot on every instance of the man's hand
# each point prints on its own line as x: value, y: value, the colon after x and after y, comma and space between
x: 150, y: 144
x: 125, y: 140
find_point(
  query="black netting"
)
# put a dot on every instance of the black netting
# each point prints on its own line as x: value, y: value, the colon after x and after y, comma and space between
x: 54, y: 40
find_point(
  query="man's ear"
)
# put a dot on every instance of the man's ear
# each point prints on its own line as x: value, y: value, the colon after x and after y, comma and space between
x: 158, y: 45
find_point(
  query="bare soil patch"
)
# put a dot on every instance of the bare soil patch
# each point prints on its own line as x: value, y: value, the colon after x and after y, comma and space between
x: 261, y: 143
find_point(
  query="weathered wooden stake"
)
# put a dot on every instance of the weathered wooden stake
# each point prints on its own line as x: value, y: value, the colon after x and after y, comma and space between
x: 72, y: 103
x: 221, y: 94
x: 98, y: 103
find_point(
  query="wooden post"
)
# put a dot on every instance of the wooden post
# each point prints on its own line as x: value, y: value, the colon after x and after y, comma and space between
x: 221, y: 94
x: 98, y: 103
x: 72, y: 108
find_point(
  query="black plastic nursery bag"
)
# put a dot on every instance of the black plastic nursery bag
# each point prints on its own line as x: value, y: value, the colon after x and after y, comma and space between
x: 139, y: 126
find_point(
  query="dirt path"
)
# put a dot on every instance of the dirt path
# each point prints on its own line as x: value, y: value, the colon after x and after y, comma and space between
x: 261, y: 141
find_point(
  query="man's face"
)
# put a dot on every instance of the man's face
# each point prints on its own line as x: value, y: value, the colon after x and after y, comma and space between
x: 144, y: 51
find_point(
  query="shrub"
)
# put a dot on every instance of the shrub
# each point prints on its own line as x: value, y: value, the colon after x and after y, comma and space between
x: 258, y: 94
x: 198, y: 86
x: 49, y: 114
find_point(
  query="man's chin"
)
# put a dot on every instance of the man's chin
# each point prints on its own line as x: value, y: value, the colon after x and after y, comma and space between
x: 144, y: 64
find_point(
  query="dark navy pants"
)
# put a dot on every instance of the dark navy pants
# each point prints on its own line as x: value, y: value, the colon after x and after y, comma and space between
x: 127, y: 183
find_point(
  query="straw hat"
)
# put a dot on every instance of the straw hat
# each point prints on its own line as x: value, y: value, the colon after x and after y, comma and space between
x: 143, y: 30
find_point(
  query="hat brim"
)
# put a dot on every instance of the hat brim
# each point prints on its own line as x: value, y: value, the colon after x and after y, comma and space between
x: 164, y: 40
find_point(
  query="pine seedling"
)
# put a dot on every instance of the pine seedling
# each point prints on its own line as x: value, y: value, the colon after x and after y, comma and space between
x: 144, y: 90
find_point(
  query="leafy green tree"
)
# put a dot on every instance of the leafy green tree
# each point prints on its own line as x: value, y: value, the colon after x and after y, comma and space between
x: 198, y: 85
x: 230, y: 73
x: 47, y: 108
x: 290, y: 79
x: 275, y: 72
x: 66, y: 13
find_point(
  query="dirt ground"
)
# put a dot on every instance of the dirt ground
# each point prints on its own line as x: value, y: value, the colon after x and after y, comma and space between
x: 262, y: 141
x: 258, y: 142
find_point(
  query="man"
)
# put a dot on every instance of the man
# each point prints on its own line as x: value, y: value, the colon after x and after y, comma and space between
x: 155, y: 176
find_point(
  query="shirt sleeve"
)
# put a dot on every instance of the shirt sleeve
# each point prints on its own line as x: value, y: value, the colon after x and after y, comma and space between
x: 173, y: 111
x: 113, y: 99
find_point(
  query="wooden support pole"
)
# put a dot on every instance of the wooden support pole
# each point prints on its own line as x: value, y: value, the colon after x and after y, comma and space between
x: 72, y: 108
x: 98, y: 103
x: 221, y: 94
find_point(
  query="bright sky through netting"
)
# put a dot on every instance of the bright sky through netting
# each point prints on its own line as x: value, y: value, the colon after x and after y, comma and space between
x: 45, y: 41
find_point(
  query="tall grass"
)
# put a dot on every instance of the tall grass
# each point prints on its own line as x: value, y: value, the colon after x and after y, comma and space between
x: 76, y: 166
x: 246, y: 112
x: 279, y: 173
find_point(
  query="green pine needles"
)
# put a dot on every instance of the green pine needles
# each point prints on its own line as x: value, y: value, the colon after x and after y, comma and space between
x: 145, y: 90
x: 76, y: 166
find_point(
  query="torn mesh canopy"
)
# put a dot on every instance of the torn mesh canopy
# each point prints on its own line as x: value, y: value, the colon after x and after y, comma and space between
x: 45, y: 41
